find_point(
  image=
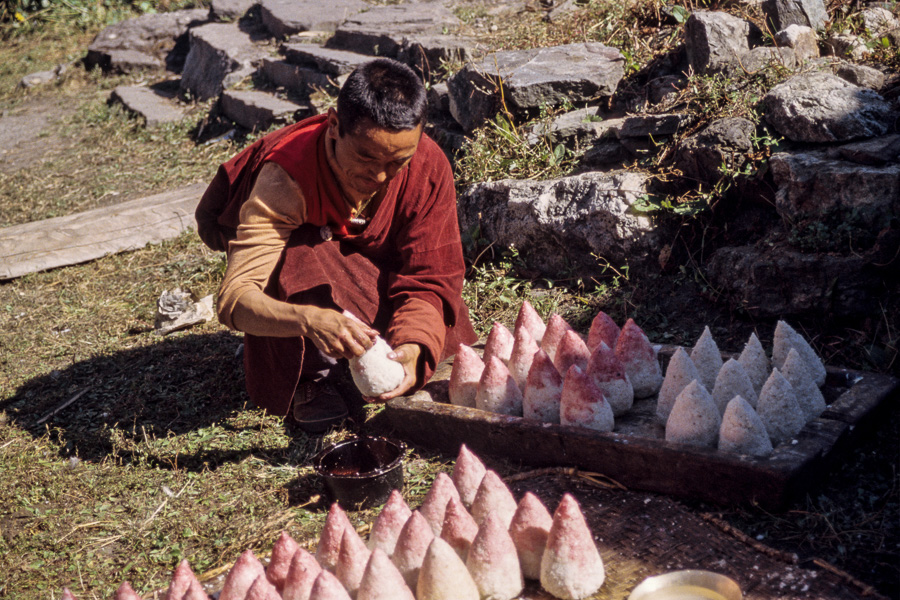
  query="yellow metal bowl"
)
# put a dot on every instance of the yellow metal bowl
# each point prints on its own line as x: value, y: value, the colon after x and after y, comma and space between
x: 687, y: 585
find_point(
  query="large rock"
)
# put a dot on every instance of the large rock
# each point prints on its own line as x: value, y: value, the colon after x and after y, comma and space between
x: 723, y: 144
x: 715, y: 41
x: 781, y: 13
x: 153, y: 107
x: 221, y: 55
x: 303, y: 81
x: 530, y: 79
x: 328, y: 61
x: 820, y: 107
x: 230, y: 10
x: 563, y: 222
x: 577, y: 128
x: 801, y: 39
x: 286, y: 17
x: 258, y: 111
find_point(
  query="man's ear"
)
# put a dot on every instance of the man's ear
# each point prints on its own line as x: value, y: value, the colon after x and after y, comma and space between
x: 333, y: 124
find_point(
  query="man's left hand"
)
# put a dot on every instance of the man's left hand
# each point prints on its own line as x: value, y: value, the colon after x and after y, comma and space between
x: 408, y: 356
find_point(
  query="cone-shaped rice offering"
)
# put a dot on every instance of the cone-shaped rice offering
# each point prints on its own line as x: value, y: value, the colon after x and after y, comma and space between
x: 301, y: 576
x: 639, y: 359
x: 797, y: 373
x: 543, y: 389
x: 388, y: 524
x: 327, y: 587
x: 556, y: 329
x: 779, y: 409
x: 382, y: 580
x: 262, y: 589
x: 181, y: 581
x: 330, y: 540
x: 435, y: 503
x: 529, y: 319
x: 464, y: 377
x: 529, y: 530
x: 459, y: 528
x: 754, y: 360
x: 571, y: 567
x: 742, y: 431
x: 494, y: 495
x: 195, y: 592
x: 497, y: 391
x: 499, y: 343
x: 679, y: 373
x: 571, y: 351
x: 694, y: 419
x: 603, y: 329
x: 411, y: 547
x: 582, y: 403
x: 67, y: 595
x: 352, y: 561
x: 608, y: 373
x: 707, y: 359
x: 523, y: 353
x: 444, y: 575
x: 786, y: 338
x: 241, y: 576
x: 733, y: 381
x: 493, y: 562
x: 467, y: 475
x: 282, y: 553
x: 126, y: 592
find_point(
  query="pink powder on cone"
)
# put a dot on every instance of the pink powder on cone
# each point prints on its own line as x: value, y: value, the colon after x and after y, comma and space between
x: 181, y: 581
x: 195, y: 592
x: 524, y: 349
x: 126, y: 592
x: 464, y: 376
x: 389, y: 522
x: 301, y: 575
x: 467, y: 475
x: 571, y: 567
x: 582, y: 403
x: 543, y: 388
x: 529, y: 530
x: 639, y: 359
x: 571, y: 351
x: 382, y: 580
x: 282, y: 553
x: 67, y: 595
x: 435, y: 503
x: 556, y: 329
x: 608, y: 373
x: 529, y: 319
x: 497, y: 391
x: 330, y: 540
x: 352, y: 561
x: 459, y: 528
x: 411, y: 547
x: 499, y: 343
x: 262, y: 589
x: 493, y: 562
x: 444, y: 576
x: 603, y: 329
x: 493, y: 495
x: 327, y: 587
x: 241, y: 576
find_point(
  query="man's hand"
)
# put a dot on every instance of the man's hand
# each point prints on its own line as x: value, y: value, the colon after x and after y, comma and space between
x: 408, y: 356
x: 337, y: 335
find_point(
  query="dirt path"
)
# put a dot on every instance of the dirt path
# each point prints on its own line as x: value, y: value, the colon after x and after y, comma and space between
x: 28, y: 132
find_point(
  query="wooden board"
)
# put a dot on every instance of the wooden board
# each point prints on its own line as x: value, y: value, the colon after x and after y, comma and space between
x: 636, y: 453
x: 78, y: 238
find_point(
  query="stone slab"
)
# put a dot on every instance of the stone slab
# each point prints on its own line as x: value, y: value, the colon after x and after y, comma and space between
x: 221, y: 54
x: 155, y: 108
x: 286, y: 17
x: 257, y: 111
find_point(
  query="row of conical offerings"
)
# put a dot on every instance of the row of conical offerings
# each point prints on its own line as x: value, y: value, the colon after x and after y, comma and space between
x: 469, y: 540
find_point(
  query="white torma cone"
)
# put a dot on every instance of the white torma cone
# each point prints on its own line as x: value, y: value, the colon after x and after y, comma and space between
x: 529, y: 530
x: 679, y: 373
x: 754, y: 360
x: 262, y: 589
x: 543, y: 389
x: 301, y: 576
x: 493, y: 562
x: 382, y: 580
x: 571, y: 567
x: 411, y: 547
x: 639, y: 358
x: 608, y: 373
x: 556, y: 329
x: 467, y: 475
x: 352, y: 561
x: 67, y: 595
x: 582, y: 403
x: 330, y: 539
x: 126, y: 592
x: 459, y: 528
x: 327, y: 587
x: 779, y: 410
x: 571, y: 351
x: 603, y: 329
x: 241, y: 576
x: 464, y: 376
x: 797, y: 373
x: 435, y: 503
x: 529, y: 319
x: 786, y: 338
x: 499, y: 343
x: 388, y: 524
x: 523, y: 353
x: 374, y: 373
x: 497, y: 391
x: 444, y: 575
x: 282, y: 552
x: 494, y: 495
x: 182, y: 578
x: 694, y: 419
x: 708, y: 360
x: 742, y: 431
x: 733, y: 381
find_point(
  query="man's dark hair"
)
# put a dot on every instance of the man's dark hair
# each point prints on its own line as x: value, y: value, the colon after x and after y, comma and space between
x: 385, y: 92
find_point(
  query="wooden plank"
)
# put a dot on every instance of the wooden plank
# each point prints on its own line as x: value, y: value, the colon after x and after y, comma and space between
x: 89, y: 235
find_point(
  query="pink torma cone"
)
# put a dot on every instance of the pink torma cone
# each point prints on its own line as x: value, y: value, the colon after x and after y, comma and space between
x: 493, y: 562
x: 282, y: 553
x: 327, y: 587
x: 494, y: 495
x: 411, y: 548
x: 639, y: 358
x: 67, y: 595
x: 301, y: 576
x: 382, y: 580
x: 388, y: 524
x: 352, y: 561
x: 542, y: 390
x: 195, y: 592
x: 556, y: 329
x: 444, y: 575
x: 262, y: 589
x: 241, y: 576
x: 571, y: 351
x: 181, y: 581
x: 529, y: 530
x: 435, y: 504
x: 464, y: 377
x: 499, y: 343
x: 459, y: 528
x: 529, y: 319
x: 523, y: 353
x: 126, y: 592
x: 582, y: 403
x: 498, y: 392
x: 608, y: 373
x: 330, y: 540
x: 603, y: 329
x: 571, y: 567
x: 467, y: 475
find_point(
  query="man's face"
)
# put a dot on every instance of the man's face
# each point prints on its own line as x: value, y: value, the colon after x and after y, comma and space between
x: 368, y: 158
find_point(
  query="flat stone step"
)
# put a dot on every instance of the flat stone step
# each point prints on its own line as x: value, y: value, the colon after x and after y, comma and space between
x: 155, y: 108
x: 257, y: 111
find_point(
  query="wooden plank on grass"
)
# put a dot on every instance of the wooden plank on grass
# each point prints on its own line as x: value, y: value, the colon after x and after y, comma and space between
x: 89, y: 235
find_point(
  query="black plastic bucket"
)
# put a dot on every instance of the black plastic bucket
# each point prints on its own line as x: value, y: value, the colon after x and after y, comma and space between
x: 360, y: 473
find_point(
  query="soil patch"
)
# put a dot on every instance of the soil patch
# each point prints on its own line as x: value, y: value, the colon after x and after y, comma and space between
x: 28, y: 132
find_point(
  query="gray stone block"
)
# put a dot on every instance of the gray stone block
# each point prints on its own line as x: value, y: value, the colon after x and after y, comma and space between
x: 715, y: 41
x: 286, y: 17
x: 860, y: 75
x: 725, y: 142
x: 782, y: 13
x: 801, y: 39
x: 221, y: 54
x: 258, y: 111
x: 327, y: 61
x: 297, y: 79
x: 154, y: 108
x: 230, y: 10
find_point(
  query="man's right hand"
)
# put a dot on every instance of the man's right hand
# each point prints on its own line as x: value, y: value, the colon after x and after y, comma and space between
x: 337, y: 335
